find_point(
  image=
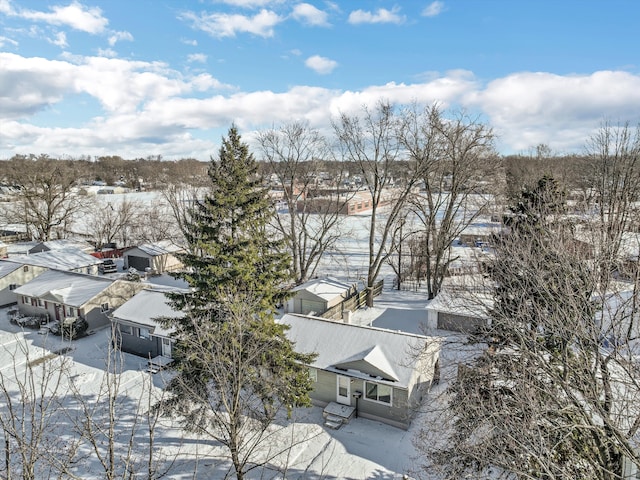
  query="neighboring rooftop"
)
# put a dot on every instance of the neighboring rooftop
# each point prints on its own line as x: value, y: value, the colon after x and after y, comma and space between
x: 74, y: 289
x: 65, y: 259
x: 325, y: 288
x: 144, y: 308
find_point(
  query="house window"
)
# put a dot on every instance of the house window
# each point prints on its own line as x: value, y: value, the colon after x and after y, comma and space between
x: 40, y: 303
x: 13, y: 286
x: 144, y: 333
x: 25, y: 300
x: 126, y: 329
x: 378, y: 393
x: 104, y: 307
x: 25, y: 268
x: 71, y: 311
x: 313, y: 374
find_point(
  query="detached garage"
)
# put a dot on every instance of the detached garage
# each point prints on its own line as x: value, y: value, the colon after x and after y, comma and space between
x: 157, y: 257
x: 317, y: 296
x: 458, y: 311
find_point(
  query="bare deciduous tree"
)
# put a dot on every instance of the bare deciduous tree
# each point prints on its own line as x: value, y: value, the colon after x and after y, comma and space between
x: 371, y: 142
x: 32, y: 392
x: 314, y: 206
x: 46, y: 202
x: 555, y: 394
x: 456, y: 163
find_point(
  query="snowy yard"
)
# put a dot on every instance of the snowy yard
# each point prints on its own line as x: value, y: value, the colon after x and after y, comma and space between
x: 362, y: 449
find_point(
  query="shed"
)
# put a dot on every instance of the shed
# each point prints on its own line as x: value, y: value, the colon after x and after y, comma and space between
x: 12, y: 276
x: 158, y: 257
x: 319, y: 295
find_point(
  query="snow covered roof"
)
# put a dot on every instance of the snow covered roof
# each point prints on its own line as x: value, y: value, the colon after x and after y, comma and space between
x: 6, y: 267
x: 461, y: 299
x: 325, y: 288
x: 64, y: 259
x: 160, y: 248
x: 144, y: 307
x: 73, y: 289
x: 65, y: 244
x: 364, y: 352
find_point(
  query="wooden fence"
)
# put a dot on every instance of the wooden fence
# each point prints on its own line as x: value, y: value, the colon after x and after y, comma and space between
x: 355, y: 301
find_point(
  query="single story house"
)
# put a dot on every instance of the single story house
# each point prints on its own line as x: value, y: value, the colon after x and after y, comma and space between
x: 459, y: 308
x: 13, y: 275
x: 68, y: 259
x: 383, y: 374
x: 157, y: 257
x: 138, y: 331
x: 62, y: 295
x: 318, y: 295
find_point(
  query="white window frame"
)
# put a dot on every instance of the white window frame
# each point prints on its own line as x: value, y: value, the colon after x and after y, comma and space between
x: 104, y: 307
x: 146, y: 335
x: 313, y: 374
x: 376, y: 400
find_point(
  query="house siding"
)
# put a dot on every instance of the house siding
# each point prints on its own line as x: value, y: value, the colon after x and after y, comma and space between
x: 398, y: 414
x: 139, y: 346
x: 17, y: 277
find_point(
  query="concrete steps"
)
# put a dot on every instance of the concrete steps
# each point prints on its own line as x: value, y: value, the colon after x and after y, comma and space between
x: 335, y: 415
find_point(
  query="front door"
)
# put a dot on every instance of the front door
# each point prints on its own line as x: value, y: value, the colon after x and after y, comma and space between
x: 344, y: 390
x: 166, y: 347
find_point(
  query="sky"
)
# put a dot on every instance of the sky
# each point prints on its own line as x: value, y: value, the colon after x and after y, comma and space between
x: 141, y: 78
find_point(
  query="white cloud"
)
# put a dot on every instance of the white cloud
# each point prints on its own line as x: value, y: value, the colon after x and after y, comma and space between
x: 321, y: 65
x: 250, y: 3
x: 74, y: 15
x: 5, y: 40
x: 197, y: 57
x: 119, y: 36
x: 433, y: 9
x: 148, y: 104
x: 221, y: 25
x: 59, y: 39
x: 531, y: 108
x: 382, y: 15
x: 187, y: 41
x: 310, y: 15
x: 107, y: 52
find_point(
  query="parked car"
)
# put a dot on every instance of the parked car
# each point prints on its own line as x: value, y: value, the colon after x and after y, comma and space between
x: 108, y: 266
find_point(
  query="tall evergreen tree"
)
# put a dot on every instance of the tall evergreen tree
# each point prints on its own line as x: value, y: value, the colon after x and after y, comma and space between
x: 235, y: 367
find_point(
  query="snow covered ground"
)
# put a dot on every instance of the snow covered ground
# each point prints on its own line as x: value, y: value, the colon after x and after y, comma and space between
x: 363, y: 449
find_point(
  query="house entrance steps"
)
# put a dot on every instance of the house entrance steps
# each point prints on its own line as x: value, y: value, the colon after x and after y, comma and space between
x: 336, y: 414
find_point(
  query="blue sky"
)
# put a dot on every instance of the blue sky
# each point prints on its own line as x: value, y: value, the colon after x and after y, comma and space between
x: 163, y: 77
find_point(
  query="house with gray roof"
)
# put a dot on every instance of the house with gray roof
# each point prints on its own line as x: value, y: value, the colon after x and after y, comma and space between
x: 61, y: 295
x: 157, y: 257
x: 318, y: 295
x: 382, y: 374
x: 137, y: 328
x: 68, y: 259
